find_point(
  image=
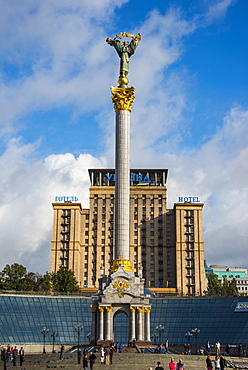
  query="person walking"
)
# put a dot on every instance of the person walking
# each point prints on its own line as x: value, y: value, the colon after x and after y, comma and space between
x: 222, y: 362
x: 111, y: 354
x: 85, y: 362
x: 180, y: 365
x: 92, y: 358
x: 107, y: 355
x: 209, y: 363
x: 15, y: 355
x: 21, y: 356
x: 102, y: 358
x: 217, y: 347
x: 159, y: 366
x: 217, y: 363
x: 62, y: 351
x: 172, y: 365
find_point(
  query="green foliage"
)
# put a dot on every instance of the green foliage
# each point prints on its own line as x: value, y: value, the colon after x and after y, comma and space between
x: 215, y: 288
x: 16, y: 278
x: 64, y: 281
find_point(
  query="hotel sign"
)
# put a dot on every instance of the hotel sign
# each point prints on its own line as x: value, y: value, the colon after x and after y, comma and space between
x: 66, y: 199
x: 241, y: 307
x: 188, y: 200
x: 135, y: 177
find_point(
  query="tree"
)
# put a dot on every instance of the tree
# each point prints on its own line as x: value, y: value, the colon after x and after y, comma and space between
x: 228, y: 288
x: 13, y: 277
x: 64, y: 281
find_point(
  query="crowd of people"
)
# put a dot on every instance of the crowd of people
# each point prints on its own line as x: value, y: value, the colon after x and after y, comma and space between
x: 11, y: 354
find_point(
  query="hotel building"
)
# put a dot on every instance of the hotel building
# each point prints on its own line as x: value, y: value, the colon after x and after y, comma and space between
x: 167, y: 243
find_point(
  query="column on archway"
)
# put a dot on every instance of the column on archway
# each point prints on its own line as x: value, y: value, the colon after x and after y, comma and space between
x: 101, y: 323
x: 108, y: 323
x: 147, y: 318
x: 133, y: 334
x: 93, y: 324
x: 140, y: 323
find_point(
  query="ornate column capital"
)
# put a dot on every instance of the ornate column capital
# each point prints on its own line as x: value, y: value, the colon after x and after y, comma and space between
x: 101, y: 309
x: 147, y: 309
x: 93, y: 309
x: 132, y: 309
x: 122, y: 98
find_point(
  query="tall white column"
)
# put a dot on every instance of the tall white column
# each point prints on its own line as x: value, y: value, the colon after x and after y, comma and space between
x: 101, y: 323
x: 133, y: 335
x: 148, y: 332
x: 107, y: 337
x: 122, y: 184
x: 140, y: 323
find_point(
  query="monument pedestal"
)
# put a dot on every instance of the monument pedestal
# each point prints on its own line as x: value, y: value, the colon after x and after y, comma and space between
x: 121, y: 292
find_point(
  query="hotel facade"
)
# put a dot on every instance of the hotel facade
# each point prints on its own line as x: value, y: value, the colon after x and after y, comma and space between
x: 166, y: 243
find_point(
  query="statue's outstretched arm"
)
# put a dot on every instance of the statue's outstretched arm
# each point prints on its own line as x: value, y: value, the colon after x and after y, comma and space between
x: 110, y: 41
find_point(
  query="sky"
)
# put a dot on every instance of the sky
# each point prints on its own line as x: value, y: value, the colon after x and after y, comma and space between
x: 190, y: 114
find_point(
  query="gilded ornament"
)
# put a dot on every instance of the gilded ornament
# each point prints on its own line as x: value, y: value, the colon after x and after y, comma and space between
x: 122, y: 98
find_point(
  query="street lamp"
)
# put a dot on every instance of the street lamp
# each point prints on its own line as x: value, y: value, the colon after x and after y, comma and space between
x: 160, y: 329
x: 44, y: 332
x: 54, y: 335
x: 78, y: 329
x: 195, y: 332
x: 154, y: 336
x: 188, y: 335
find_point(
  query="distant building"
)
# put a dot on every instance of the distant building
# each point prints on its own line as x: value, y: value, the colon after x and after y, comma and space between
x: 168, y: 243
x: 240, y: 274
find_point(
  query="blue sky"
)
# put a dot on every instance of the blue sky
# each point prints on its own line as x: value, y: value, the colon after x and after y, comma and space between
x: 190, y: 114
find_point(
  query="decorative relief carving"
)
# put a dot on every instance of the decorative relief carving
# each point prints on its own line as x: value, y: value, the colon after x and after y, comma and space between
x: 122, y: 98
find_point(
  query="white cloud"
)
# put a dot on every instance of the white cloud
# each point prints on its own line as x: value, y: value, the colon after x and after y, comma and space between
x: 217, y: 9
x: 27, y: 189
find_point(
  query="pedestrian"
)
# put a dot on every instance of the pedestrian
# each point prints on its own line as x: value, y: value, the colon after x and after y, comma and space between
x: 172, y: 365
x: 102, y: 358
x: 15, y: 355
x: 180, y: 365
x: 185, y: 349
x: 121, y: 346
x: 166, y: 346
x: 62, y: 350
x: 79, y: 356
x: 107, y: 355
x: 6, y: 359
x: 217, y: 347
x: 222, y: 362
x: 159, y: 366
x: 209, y: 363
x: 228, y: 349
x: 217, y: 363
x: 111, y: 354
x: 240, y: 350
x: 21, y: 356
x: 208, y: 347
x: 92, y: 358
x: 85, y: 362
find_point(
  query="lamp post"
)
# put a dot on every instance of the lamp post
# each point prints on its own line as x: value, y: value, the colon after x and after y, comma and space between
x: 196, y: 332
x: 44, y: 332
x: 78, y: 329
x: 54, y: 335
x: 160, y: 330
x: 188, y: 335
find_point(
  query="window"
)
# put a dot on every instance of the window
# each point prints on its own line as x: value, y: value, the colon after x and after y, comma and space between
x: 152, y: 233
x: 103, y: 209
x: 151, y: 209
x: 103, y: 224
x: 167, y: 217
x: 168, y: 266
x: 152, y: 225
x: 87, y: 224
x: 103, y: 233
x: 160, y: 201
x: 160, y: 209
x: 135, y: 201
x: 95, y: 209
x: 152, y: 266
x: 95, y: 201
x: 103, y: 241
x: 151, y: 241
x: 103, y: 201
x: 168, y: 224
x: 168, y: 233
x: 136, y: 233
x: 136, y: 217
x: 143, y: 209
x: 135, y: 225
x: 135, y: 209
x: 168, y: 241
x: 135, y: 241
x: 152, y: 257
x: 151, y: 201
x: 168, y: 258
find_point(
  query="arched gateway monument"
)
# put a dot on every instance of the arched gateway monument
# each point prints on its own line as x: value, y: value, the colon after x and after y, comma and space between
x: 121, y: 292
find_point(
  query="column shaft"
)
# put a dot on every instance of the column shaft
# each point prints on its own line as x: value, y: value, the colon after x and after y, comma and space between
x: 122, y: 184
